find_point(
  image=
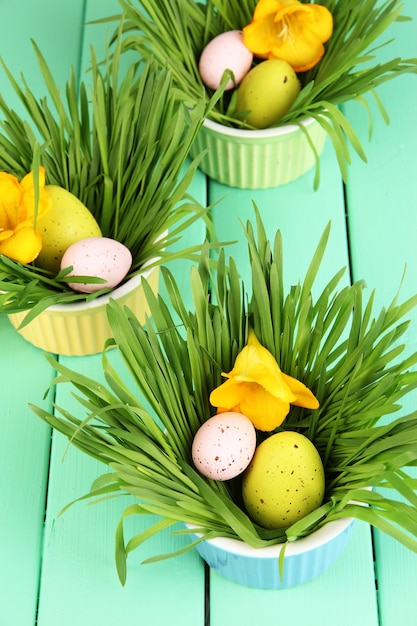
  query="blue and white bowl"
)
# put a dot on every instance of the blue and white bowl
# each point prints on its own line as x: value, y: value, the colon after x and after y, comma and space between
x: 304, y: 558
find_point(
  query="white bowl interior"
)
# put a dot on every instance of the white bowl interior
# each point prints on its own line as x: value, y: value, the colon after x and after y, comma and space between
x: 258, y: 133
x: 317, y: 539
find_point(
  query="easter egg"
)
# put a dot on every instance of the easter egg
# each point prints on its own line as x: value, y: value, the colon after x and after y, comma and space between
x: 284, y: 481
x: 67, y: 221
x: 225, y: 52
x: 100, y: 257
x: 224, y: 445
x: 266, y: 93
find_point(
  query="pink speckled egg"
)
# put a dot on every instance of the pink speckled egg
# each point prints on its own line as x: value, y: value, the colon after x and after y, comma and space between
x: 225, y: 52
x: 224, y: 446
x: 100, y: 257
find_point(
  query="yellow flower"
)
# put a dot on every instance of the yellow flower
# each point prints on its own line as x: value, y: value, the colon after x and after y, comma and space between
x: 289, y: 30
x: 257, y: 388
x: 19, y: 239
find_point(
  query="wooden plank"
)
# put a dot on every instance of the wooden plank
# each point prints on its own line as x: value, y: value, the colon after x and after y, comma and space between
x: 301, y: 214
x: 55, y: 28
x: 396, y: 569
x: 24, y: 372
x: 24, y: 454
x: 382, y: 199
x: 79, y: 582
x: 96, y: 35
x: 324, y: 601
x: 382, y: 195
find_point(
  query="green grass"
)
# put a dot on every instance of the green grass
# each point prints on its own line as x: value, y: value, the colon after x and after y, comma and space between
x: 176, y: 31
x: 351, y: 360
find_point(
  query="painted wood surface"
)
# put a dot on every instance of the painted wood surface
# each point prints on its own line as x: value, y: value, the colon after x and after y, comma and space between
x: 25, y: 444
x: 382, y: 217
x: 59, y: 570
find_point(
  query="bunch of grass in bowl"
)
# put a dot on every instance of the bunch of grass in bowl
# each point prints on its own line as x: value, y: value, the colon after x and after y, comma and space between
x: 141, y: 423
x: 119, y: 142
x: 352, y: 68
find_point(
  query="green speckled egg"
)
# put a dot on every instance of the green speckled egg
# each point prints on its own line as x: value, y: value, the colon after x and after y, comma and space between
x: 67, y: 221
x: 266, y: 93
x: 284, y: 481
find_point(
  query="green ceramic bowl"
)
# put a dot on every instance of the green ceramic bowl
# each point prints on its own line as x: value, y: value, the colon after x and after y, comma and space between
x: 258, y: 159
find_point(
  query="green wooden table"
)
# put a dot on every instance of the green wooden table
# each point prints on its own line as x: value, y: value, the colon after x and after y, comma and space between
x: 59, y: 571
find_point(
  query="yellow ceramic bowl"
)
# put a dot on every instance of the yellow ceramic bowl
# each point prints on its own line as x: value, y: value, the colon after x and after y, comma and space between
x: 257, y: 159
x: 82, y: 328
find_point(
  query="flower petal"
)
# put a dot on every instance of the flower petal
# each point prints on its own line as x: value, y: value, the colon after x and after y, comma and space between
x: 227, y: 395
x: 265, y: 8
x: 23, y: 245
x: 5, y: 234
x: 27, y: 185
x: 302, y: 54
x: 303, y: 396
x: 10, y: 198
x: 318, y: 20
x: 256, y: 364
x: 256, y: 39
x: 289, y: 30
x: 257, y: 388
x: 264, y: 411
x: 19, y: 239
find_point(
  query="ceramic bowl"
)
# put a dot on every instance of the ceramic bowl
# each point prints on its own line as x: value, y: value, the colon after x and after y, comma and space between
x: 257, y: 159
x: 304, y: 558
x: 80, y: 329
